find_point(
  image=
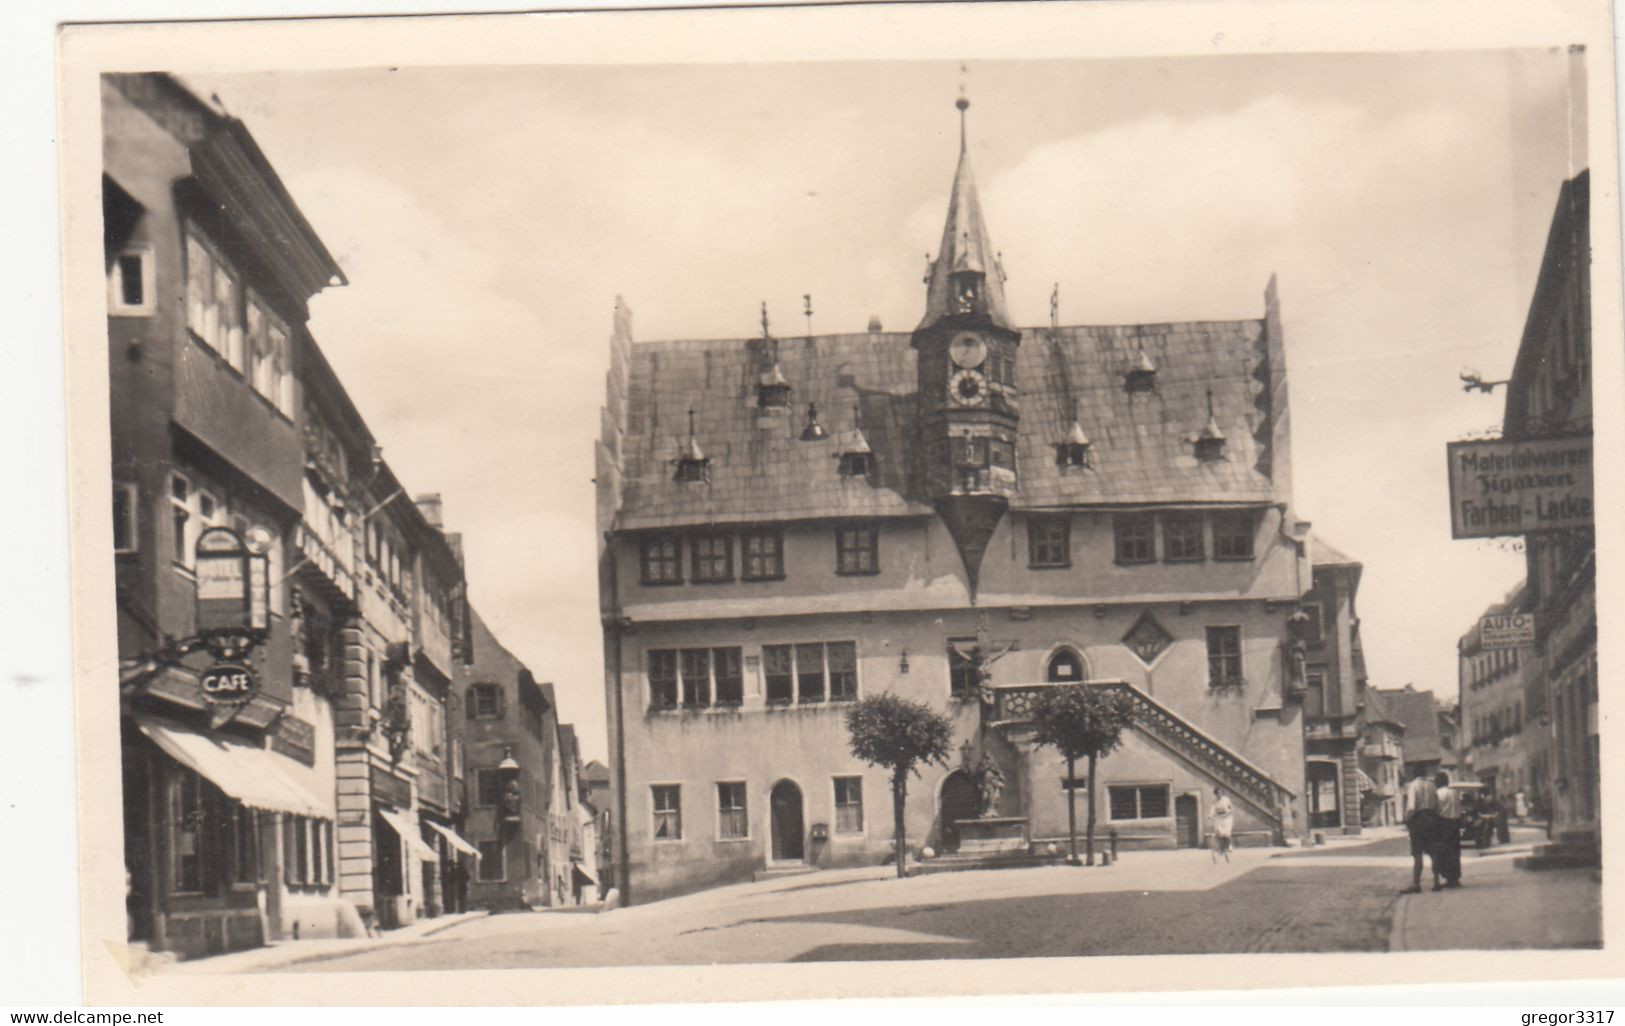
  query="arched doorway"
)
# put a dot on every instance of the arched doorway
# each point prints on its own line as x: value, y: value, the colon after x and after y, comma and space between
x: 1065, y: 667
x: 788, y: 831
x: 1187, y: 822
x: 960, y: 800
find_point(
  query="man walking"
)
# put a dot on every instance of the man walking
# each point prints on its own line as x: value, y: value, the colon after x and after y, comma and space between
x: 1447, y: 861
x: 1422, y: 820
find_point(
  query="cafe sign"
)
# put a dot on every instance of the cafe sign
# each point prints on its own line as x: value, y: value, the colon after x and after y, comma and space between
x: 1519, y: 487
x: 1506, y: 630
x: 228, y: 684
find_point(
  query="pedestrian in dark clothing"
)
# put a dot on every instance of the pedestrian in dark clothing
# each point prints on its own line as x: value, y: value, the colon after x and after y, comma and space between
x: 1422, y: 820
x: 1447, y: 853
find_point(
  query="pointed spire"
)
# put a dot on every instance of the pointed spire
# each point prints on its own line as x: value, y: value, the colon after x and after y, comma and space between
x: 966, y: 258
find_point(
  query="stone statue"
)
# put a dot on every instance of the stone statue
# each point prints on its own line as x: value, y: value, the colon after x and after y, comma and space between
x: 991, y: 783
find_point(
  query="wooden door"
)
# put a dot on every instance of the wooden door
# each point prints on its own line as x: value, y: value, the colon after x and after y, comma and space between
x: 1187, y: 821
x: 960, y: 800
x: 788, y: 831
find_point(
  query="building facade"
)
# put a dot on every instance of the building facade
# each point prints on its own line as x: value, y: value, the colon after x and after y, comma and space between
x: 316, y: 800
x: 1549, y: 396
x: 1503, y: 748
x: 960, y: 514
x: 1382, y: 760
x: 1328, y: 631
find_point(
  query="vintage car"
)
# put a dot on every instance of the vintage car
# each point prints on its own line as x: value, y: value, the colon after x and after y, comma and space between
x: 1478, y: 813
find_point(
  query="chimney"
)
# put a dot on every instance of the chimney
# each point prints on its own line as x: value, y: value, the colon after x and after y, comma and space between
x: 874, y: 324
x: 429, y: 505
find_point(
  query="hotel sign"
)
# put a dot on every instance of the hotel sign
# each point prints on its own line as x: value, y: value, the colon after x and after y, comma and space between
x: 1513, y: 488
x: 1506, y: 630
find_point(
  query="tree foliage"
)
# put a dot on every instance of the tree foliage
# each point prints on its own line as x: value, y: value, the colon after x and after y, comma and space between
x: 898, y: 734
x: 1080, y: 720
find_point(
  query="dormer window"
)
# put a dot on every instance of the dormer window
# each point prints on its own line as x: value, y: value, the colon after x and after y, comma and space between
x: 692, y: 464
x: 1142, y: 376
x: 814, y: 431
x: 857, y: 460
x: 1073, y: 450
x: 1210, y: 440
x: 772, y: 391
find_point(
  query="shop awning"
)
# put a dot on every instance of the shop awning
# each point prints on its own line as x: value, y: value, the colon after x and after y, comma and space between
x: 453, y: 838
x: 258, y: 778
x: 402, y: 825
x: 580, y: 867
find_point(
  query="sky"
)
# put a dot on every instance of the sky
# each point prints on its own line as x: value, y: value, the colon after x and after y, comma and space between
x: 487, y: 217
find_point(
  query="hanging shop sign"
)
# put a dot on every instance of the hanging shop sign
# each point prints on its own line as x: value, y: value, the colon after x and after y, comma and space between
x: 1519, y: 487
x: 1506, y: 630
x: 228, y: 684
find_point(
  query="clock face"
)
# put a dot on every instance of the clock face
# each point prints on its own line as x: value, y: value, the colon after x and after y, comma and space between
x: 967, y: 350
x: 968, y: 388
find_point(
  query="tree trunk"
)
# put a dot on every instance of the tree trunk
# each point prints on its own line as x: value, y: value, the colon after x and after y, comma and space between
x: 1071, y: 811
x: 1089, y: 844
x: 899, y: 794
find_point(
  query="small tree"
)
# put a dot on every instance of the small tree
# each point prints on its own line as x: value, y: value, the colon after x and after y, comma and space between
x: 898, y: 734
x: 1081, y: 721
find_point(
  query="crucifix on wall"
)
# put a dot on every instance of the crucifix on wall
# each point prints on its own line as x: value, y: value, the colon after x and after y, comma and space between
x: 982, y: 655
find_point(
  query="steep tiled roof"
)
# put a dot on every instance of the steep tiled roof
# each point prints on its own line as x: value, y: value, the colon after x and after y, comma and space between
x: 1141, y: 444
x: 1322, y: 554
x: 1419, y: 714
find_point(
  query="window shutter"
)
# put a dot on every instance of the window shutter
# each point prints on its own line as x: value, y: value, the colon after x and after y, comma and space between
x: 502, y: 700
x: 290, y: 851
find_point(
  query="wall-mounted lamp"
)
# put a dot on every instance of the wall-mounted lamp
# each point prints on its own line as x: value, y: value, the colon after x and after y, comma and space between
x: 902, y: 663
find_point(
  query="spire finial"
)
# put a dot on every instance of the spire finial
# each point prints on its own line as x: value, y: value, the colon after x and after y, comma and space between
x: 691, y: 423
x: 1055, y: 308
x: 963, y: 103
x: 765, y: 333
x: 806, y: 309
x: 1210, y: 403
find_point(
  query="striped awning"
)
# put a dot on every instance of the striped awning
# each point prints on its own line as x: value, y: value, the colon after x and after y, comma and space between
x: 401, y: 823
x: 453, y: 838
x: 258, y: 778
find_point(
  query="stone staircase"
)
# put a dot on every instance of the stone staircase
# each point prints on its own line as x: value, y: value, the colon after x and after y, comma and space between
x: 1013, y: 704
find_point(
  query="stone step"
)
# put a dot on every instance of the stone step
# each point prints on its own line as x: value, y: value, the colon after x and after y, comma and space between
x: 779, y: 872
x: 1562, y: 855
x: 965, y: 863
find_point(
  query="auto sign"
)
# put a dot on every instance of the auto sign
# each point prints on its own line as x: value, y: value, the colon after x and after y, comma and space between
x: 228, y: 684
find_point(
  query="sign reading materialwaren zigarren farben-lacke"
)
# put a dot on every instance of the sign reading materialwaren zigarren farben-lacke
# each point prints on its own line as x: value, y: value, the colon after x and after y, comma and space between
x: 1518, y: 487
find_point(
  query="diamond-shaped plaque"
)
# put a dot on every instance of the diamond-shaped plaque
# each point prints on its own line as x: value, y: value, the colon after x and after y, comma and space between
x: 1147, y: 639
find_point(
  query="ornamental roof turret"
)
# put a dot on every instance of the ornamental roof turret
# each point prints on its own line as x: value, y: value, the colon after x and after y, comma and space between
x: 966, y: 278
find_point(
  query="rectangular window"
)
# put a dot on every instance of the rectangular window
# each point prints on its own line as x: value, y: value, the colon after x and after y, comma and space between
x: 246, y: 843
x: 1314, y: 699
x: 1138, y: 802
x: 962, y: 675
x: 732, y: 824
x: 1001, y: 453
x: 810, y: 673
x: 180, y: 519
x: 493, y: 861
x: 1135, y: 536
x: 1182, y: 538
x: 778, y: 673
x: 668, y: 804
x: 857, y: 550
x: 661, y: 560
x: 126, y: 502
x: 712, y: 558
x: 185, y: 822
x: 761, y: 556
x: 1224, y: 657
x: 269, y: 354
x: 663, y: 679
x: 1049, y: 541
x: 970, y: 452
x: 696, y: 666
x: 1233, y: 535
x: 727, y: 666
x: 129, y: 284
x: 843, y: 670
x: 849, y: 805
x: 487, y: 788
x: 214, y: 309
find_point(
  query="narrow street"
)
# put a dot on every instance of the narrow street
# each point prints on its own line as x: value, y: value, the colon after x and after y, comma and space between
x: 1343, y: 897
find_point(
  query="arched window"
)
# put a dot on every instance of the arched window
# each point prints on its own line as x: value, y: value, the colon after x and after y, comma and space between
x: 1065, y: 667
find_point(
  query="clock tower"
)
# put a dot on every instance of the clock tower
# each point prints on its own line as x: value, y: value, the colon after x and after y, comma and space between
x: 966, y: 358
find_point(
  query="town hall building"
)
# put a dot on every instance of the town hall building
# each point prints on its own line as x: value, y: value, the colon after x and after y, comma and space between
x: 961, y: 514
